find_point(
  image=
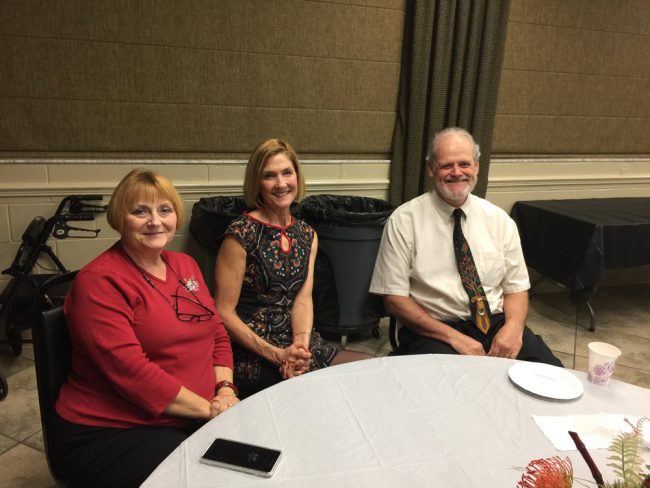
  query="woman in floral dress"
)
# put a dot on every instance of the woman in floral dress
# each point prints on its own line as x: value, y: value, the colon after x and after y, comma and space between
x: 265, y: 274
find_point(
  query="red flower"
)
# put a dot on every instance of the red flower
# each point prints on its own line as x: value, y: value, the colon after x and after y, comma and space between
x: 548, y: 473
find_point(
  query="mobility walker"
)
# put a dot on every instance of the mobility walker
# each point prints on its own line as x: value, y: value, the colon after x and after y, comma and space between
x: 17, y: 298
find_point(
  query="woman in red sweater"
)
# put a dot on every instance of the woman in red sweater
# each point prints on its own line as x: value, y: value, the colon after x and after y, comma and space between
x: 151, y: 359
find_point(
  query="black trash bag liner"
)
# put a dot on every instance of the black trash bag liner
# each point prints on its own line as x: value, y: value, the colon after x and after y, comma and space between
x: 211, y: 217
x: 326, y: 305
x: 345, y: 210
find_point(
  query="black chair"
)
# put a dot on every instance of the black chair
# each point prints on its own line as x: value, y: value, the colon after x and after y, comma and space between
x: 52, y: 350
x: 393, y: 335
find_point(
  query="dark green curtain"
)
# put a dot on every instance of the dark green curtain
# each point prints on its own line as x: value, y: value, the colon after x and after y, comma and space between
x: 451, y: 67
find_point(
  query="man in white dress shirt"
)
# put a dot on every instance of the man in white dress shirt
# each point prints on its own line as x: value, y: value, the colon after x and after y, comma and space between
x: 417, y: 274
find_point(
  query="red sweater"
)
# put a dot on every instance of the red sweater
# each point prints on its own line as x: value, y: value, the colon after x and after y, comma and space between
x: 130, y: 353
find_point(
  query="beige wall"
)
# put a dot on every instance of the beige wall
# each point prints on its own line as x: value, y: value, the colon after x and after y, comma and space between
x: 169, y: 78
x: 575, y: 79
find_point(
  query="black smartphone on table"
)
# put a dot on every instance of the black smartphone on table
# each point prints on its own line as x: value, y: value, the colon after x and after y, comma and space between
x: 240, y: 456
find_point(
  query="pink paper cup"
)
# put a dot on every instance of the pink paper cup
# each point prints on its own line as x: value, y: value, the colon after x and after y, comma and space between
x: 602, y: 360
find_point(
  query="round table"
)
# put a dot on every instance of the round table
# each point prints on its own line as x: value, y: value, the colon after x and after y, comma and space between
x: 404, y: 421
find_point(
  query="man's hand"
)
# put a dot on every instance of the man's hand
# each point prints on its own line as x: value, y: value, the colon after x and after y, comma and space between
x: 507, y: 342
x: 466, y: 345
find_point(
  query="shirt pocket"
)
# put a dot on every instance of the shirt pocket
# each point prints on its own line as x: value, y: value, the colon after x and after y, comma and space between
x: 491, y: 267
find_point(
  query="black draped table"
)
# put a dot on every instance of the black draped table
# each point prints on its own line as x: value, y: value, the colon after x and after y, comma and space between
x: 574, y: 241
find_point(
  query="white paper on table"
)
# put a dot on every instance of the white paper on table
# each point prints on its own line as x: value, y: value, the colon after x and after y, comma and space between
x: 596, y: 431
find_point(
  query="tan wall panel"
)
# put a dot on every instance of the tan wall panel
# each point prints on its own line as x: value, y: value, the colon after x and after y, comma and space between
x: 555, y: 49
x: 389, y: 4
x: 576, y: 79
x: 190, y: 23
x: 534, y: 92
x: 93, y: 78
x: 329, y: 29
x: 551, y: 12
x: 304, y: 82
x: 526, y: 92
x: 532, y: 134
x: 616, y: 96
x: 621, y: 54
x: 323, y: 29
x: 619, y: 16
x: 79, y: 69
x: 92, y: 126
x: 631, y: 16
x: 72, y: 69
x: 537, y: 47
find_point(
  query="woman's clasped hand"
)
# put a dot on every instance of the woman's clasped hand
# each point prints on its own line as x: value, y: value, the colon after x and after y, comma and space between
x: 296, y: 360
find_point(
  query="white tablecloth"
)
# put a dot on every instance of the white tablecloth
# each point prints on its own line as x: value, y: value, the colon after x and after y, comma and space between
x: 408, y: 421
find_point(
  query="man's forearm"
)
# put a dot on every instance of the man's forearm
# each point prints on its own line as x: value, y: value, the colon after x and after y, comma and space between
x: 411, y: 315
x: 515, y: 309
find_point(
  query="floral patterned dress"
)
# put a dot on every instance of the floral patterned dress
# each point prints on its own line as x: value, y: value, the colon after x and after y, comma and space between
x: 272, y: 279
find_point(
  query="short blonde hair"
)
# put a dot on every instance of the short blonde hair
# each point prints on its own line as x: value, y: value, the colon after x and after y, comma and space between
x: 255, y: 168
x: 146, y: 185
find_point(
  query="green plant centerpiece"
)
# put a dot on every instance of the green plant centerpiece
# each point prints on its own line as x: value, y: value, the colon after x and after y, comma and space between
x: 626, y: 462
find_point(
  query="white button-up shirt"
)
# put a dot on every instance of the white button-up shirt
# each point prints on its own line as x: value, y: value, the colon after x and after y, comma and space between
x: 416, y: 257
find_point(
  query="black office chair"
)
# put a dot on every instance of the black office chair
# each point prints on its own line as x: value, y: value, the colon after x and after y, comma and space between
x: 52, y: 350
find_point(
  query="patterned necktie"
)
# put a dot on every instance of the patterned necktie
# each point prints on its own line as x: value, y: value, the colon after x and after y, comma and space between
x: 469, y: 276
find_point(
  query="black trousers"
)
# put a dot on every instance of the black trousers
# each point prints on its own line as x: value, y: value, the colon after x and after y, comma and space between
x: 110, y: 457
x: 533, y: 347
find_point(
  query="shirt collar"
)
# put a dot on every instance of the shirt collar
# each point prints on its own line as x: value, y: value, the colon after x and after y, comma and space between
x: 445, y: 210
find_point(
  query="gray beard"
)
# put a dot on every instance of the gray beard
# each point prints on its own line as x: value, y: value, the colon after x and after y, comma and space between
x: 440, y: 188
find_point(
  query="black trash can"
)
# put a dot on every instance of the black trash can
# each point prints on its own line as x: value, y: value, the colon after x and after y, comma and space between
x: 210, y: 219
x: 349, y: 233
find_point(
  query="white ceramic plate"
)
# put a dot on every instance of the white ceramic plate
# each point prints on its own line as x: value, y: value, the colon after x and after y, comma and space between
x: 545, y: 380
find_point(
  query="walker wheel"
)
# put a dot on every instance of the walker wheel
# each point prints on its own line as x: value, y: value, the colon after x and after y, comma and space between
x: 4, y: 387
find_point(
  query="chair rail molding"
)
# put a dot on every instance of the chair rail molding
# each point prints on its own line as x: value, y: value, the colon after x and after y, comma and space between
x: 201, y: 178
x: 564, y: 172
